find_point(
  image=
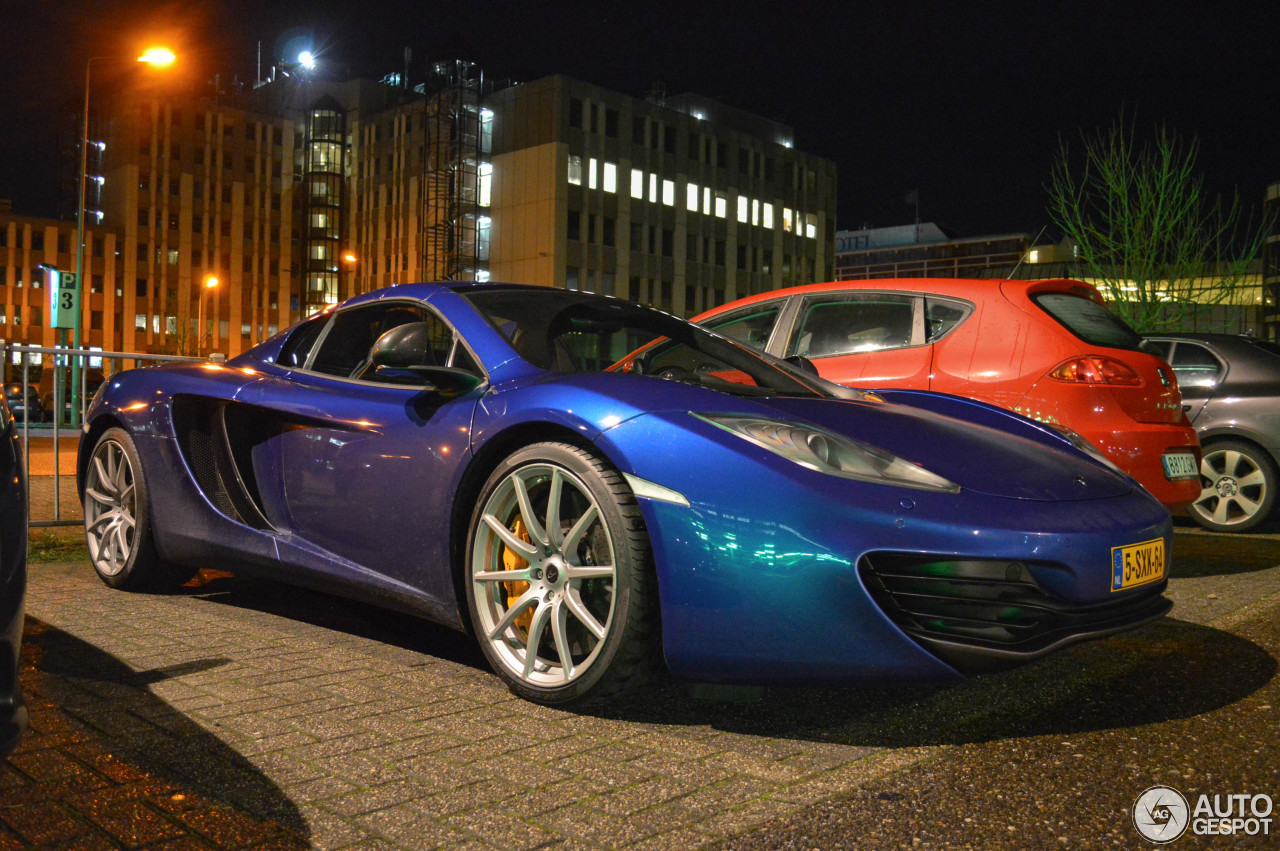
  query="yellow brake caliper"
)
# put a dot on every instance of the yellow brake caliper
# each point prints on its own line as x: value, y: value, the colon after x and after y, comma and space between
x: 514, y: 561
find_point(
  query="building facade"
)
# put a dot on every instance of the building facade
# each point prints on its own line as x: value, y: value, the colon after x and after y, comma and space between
x: 924, y: 250
x: 300, y: 193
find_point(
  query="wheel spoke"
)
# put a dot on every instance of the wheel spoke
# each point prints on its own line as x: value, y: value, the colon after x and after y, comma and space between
x: 502, y: 575
x: 1220, y: 512
x: 1248, y: 506
x: 103, y: 519
x: 1230, y: 461
x: 553, y: 509
x: 100, y: 498
x: 101, y: 477
x: 1257, y: 477
x: 526, y: 511
x: 560, y: 632
x: 524, y: 548
x: 573, y: 601
x: 574, y: 537
x: 524, y: 601
x: 536, y: 626
x: 590, y: 571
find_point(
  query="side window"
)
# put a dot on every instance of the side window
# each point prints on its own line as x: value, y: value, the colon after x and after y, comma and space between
x: 1158, y: 347
x: 849, y: 324
x: 298, y: 346
x: 941, y: 316
x: 751, y: 326
x: 1195, y: 366
x: 346, y: 349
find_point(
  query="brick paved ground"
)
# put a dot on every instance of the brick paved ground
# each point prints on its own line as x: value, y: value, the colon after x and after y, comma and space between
x: 245, y: 714
x: 241, y: 713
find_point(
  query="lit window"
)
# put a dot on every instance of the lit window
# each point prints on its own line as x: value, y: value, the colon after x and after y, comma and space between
x: 637, y: 183
x: 486, y: 184
x: 788, y: 223
x: 742, y: 209
x: 1034, y: 256
x: 575, y: 170
x: 610, y: 177
x: 653, y: 189
x: 140, y: 321
x: 722, y: 206
x: 669, y: 193
x: 810, y: 226
x: 591, y: 173
x: 768, y: 216
x: 706, y: 201
x: 755, y: 212
x: 691, y: 197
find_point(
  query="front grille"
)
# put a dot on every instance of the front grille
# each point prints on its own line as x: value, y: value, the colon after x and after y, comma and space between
x: 980, y: 613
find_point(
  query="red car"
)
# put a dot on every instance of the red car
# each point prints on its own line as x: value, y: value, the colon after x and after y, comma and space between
x: 1049, y: 350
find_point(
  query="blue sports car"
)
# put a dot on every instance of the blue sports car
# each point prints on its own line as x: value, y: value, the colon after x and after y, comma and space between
x: 596, y: 489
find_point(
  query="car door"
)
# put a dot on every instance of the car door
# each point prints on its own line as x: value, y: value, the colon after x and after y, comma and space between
x: 364, y: 466
x: 864, y: 339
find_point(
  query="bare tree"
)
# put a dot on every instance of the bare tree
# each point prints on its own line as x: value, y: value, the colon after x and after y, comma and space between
x: 1155, y: 246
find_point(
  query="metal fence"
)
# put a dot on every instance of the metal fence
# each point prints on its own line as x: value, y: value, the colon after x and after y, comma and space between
x: 49, y: 390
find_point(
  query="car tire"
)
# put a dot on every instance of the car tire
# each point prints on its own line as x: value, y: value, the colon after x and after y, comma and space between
x: 117, y: 519
x: 578, y: 619
x: 1239, y: 485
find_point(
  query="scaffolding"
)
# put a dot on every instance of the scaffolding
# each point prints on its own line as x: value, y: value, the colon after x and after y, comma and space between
x: 456, y: 173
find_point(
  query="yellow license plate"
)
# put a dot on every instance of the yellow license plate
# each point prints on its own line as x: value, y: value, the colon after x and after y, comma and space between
x: 1137, y: 564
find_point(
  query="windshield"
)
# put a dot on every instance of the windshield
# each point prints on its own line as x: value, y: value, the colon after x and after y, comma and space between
x: 572, y: 332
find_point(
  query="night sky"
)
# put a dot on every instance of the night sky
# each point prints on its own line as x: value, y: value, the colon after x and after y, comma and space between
x: 964, y: 102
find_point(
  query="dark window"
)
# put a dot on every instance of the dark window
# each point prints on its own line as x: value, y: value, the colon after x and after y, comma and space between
x: 942, y: 316
x: 637, y: 130
x: 607, y: 237
x: 575, y: 112
x: 849, y: 324
x: 1195, y: 366
x: 611, y: 123
x: 750, y: 325
x: 575, y: 225
x: 669, y: 140
x: 668, y: 242
x: 1088, y: 320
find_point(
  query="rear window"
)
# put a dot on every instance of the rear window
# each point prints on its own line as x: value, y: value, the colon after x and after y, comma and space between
x: 1088, y: 320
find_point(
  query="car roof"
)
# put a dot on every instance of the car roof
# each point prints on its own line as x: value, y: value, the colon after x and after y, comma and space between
x: 956, y: 287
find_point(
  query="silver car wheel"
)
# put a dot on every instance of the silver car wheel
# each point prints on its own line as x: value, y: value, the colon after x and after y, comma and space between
x: 110, y: 508
x: 543, y: 575
x: 1234, y: 487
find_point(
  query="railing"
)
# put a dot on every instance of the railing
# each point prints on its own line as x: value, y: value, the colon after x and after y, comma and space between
x: 63, y: 418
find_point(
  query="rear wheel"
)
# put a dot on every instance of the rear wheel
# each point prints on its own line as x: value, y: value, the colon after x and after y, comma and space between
x: 559, y: 579
x: 117, y: 519
x: 1239, y: 487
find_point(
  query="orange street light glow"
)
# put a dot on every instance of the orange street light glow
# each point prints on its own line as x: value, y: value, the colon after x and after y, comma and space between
x: 157, y: 56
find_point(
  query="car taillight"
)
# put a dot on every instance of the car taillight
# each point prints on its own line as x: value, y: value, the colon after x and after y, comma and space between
x: 1095, y: 369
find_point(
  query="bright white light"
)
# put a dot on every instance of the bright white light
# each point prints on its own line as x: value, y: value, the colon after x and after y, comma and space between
x: 307, y: 59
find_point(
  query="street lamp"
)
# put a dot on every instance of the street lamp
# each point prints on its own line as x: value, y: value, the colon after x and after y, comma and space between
x: 155, y: 56
x: 209, y: 283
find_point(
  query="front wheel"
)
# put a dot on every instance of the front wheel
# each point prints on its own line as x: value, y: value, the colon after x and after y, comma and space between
x: 559, y: 580
x: 1239, y: 487
x: 117, y: 519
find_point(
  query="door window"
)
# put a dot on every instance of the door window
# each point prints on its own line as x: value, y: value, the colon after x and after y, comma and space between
x: 346, y: 349
x: 850, y: 324
x: 1195, y: 366
x: 751, y: 325
x: 943, y: 315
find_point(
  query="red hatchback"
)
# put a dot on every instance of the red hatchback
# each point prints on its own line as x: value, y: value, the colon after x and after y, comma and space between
x: 1049, y: 350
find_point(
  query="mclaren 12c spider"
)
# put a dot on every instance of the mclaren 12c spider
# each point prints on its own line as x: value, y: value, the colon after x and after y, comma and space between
x: 596, y: 489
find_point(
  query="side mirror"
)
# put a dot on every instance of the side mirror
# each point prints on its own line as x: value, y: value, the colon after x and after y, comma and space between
x: 802, y: 363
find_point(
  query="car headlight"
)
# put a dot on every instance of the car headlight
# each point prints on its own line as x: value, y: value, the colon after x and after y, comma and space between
x: 827, y: 452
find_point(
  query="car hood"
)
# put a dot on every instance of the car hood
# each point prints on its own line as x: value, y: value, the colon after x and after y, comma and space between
x: 977, y: 458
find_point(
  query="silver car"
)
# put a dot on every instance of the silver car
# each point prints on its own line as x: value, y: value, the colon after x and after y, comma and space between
x: 1231, y: 393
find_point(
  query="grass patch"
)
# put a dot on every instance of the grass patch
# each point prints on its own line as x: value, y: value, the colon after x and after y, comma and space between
x: 61, y: 545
